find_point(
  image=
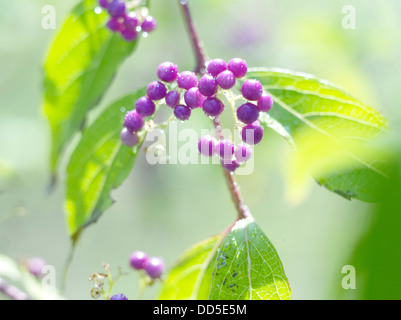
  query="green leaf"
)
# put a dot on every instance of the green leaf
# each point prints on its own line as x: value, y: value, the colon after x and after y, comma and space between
x: 248, y: 267
x: 18, y: 276
x: 305, y: 102
x: 99, y: 164
x: 80, y: 66
x: 191, y: 276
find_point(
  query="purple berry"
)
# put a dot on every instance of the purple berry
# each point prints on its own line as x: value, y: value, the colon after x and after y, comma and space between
x: 128, y: 138
x: 173, y: 99
x: 213, y: 107
x: 207, y: 146
x: 230, y: 165
x: 187, y: 80
x: 252, y: 90
x: 252, y: 133
x: 226, y: 80
x: 149, y: 24
x: 265, y: 102
x: 207, y: 85
x: 131, y: 22
x: 167, y: 72
x: 104, y: 3
x: 120, y: 296
x: 154, y: 267
x: 35, y: 266
x: 133, y: 121
x: 114, y: 24
x: 248, y: 113
x: 216, y: 66
x: 129, y: 35
x: 238, y: 67
x: 243, y: 152
x: 116, y: 8
x: 156, y: 90
x: 193, y: 98
x: 138, y: 260
x: 145, y: 107
x: 225, y: 149
x: 182, y: 112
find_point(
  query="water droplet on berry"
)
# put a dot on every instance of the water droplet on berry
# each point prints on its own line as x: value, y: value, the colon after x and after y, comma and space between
x: 144, y: 11
x: 145, y: 35
x: 98, y: 10
x: 138, y: 29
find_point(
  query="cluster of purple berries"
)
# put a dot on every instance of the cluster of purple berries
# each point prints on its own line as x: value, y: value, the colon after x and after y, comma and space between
x: 128, y: 23
x: 153, y: 266
x: 204, y: 93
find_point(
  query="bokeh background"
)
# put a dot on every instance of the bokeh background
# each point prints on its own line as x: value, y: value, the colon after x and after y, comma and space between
x: 165, y: 209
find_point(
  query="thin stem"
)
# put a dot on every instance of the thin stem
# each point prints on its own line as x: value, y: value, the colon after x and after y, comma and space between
x: 200, y: 54
x: 242, y: 209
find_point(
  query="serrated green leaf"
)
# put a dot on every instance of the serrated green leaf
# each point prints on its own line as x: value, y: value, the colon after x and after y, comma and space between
x: 99, y: 164
x: 303, y: 101
x: 190, y: 277
x: 81, y: 63
x: 248, y: 267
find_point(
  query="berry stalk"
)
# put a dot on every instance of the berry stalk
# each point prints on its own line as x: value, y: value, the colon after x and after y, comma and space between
x: 200, y: 54
x: 242, y: 209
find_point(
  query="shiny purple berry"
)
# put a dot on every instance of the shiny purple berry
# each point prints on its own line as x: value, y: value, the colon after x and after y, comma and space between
x: 128, y: 138
x: 216, y: 66
x: 265, y: 102
x: 252, y: 90
x: 120, y: 296
x: 149, y: 24
x: 131, y: 21
x: 145, y: 107
x: 207, y: 85
x: 104, y: 3
x: 243, y: 152
x: 226, y: 80
x: 252, y: 133
x: 114, y: 24
x: 238, y: 67
x: 225, y: 149
x: 35, y: 266
x: 116, y: 8
x: 187, y: 80
x: 154, y: 267
x: 193, y: 98
x: 248, y: 113
x: 133, y: 121
x: 182, y: 112
x: 173, y: 99
x: 129, y: 35
x: 230, y: 165
x: 156, y: 90
x: 167, y: 72
x: 213, y: 107
x: 138, y: 260
x: 207, y: 146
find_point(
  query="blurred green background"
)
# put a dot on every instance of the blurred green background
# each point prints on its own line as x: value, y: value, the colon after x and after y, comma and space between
x: 163, y: 210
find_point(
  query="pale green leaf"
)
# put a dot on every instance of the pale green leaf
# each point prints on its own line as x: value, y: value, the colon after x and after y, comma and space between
x: 99, y: 164
x: 304, y: 101
x: 80, y: 65
x: 190, y: 277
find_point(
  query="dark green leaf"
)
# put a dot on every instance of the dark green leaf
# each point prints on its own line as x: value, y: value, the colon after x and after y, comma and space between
x: 305, y: 102
x: 248, y: 267
x: 99, y: 164
x: 80, y: 65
